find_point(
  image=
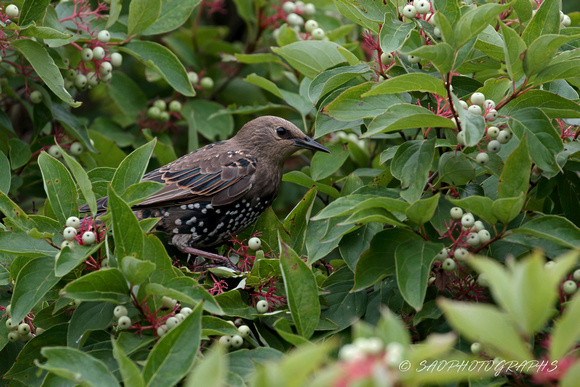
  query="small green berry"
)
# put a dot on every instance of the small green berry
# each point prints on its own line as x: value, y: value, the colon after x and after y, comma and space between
x: 207, y: 83
x: 36, y: 97
x: 569, y: 287
x: 175, y: 106
x: 449, y: 264
x: 23, y: 329
x: 116, y: 59
x: 168, y: 302
x: 476, y: 348
x: 262, y: 306
x: 123, y: 323
x: 13, y: 336
x: 76, y: 148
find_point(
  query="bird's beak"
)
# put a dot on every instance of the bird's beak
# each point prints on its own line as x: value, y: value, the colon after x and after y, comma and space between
x: 309, y: 143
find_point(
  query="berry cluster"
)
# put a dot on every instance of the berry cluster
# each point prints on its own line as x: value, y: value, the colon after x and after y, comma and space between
x: 570, y: 286
x: 84, y: 232
x: 159, y: 110
x: 235, y: 341
x: 294, y: 13
x: 23, y: 331
x: 75, y: 148
x: 205, y: 83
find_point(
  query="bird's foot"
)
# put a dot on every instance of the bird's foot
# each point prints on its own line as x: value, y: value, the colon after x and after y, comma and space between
x: 211, y: 256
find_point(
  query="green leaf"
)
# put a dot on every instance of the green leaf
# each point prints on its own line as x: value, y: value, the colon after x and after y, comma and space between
x: 413, y: 263
x: 186, y: 290
x: 210, y: 125
x: 129, y: 371
x: 355, y: 243
x: 325, y: 164
x: 102, y: 285
x: 304, y: 180
x: 566, y: 331
x: 393, y: 33
x: 174, y: 354
x: 541, y: 136
x: 297, y: 101
x: 82, y: 180
x: 545, y: 21
x: 296, y: 222
x: 142, y: 14
x: 77, y: 366
x: 560, y: 70
x: 135, y: 270
x: 19, y: 153
x: 449, y: 8
x: 45, y: 67
x: 163, y: 62
x: 44, y: 33
x: 72, y: 125
x: 523, y: 9
x: 333, y: 78
x: 211, y: 371
x: 542, y: 50
x: 514, y: 46
x: 423, y: 210
x: 483, y: 323
x: 32, y: 11
x: 16, y: 214
x: 553, y: 105
x: 350, y: 204
x: 69, y: 258
x: 409, y: 82
x: 129, y: 239
x: 33, y: 281
x: 173, y: 14
x: 441, y: 55
x: 257, y: 58
x: 59, y: 187
x: 378, y: 261
x: 123, y: 86
x: 301, y: 291
x: 283, y: 328
x: 311, y: 57
x: 478, y: 205
x: 515, y: 176
x: 507, y: 209
x: 455, y: 168
x: 411, y: 166
x: 344, y: 307
x: 132, y: 168
x: 405, y: 116
x: 87, y: 317
x: 474, y: 21
x: 553, y: 228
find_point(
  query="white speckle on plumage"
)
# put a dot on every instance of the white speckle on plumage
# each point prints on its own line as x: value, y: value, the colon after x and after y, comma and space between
x: 192, y: 230
x: 238, y: 205
x: 204, y: 211
x: 220, y: 225
x: 176, y: 230
x: 183, y: 207
x: 200, y: 224
x: 191, y: 221
x: 205, y: 230
x: 166, y: 214
x: 190, y: 206
x: 247, y: 204
x: 196, y: 205
x: 208, y: 206
x: 217, y: 211
x: 178, y: 222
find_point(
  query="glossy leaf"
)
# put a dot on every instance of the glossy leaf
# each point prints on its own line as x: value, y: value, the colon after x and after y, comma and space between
x: 310, y: 57
x: 126, y: 231
x: 331, y: 79
x: 423, y: 210
x: 142, y: 14
x: 132, y: 168
x: 411, y: 166
x: 59, y: 187
x: 102, y: 285
x: 296, y: 221
x: 129, y: 371
x: 553, y: 228
x: 474, y: 21
x: 173, y: 14
x: 187, y: 290
x: 545, y: 21
x: 409, y: 82
x: 515, y: 176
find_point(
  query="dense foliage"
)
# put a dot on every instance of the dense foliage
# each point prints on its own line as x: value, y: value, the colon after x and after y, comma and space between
x: 437, y: 243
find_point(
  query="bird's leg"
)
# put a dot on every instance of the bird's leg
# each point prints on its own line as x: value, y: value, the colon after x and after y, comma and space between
x: 213, y: 257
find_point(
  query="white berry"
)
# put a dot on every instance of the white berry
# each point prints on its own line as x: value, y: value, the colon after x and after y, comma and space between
x: 492, y: 132
x: 461, y: 253
x: 473, y: 239
x: 422, y: 6
x: 104, y: 36
x: 488, y: 104
x: 171, y: 322
x: 81, y: 81
x: 244, y: 330
x: 93, y: 79
x: 86, y: 54
x: 207, y: 83
x: 255, y: 243
x: 504, y: 137
x: 463, y: 104
x: 442, y: 254
x: 309, y: 9
x: 76, y: 148
x: 98, y: 53
x: 478, y: 225
x: 225, y: 341
x: 494, y: 146
x: 461, y: 138
x: 386, y: 57
x: 294, y: 20
x: 484, y: 236
x: 288, y: 7
x: 120, y: 311
x: 105, y: 68
x: 175, y: 106
x: 123, y: 323
x: 23, y: 329
x: 569, y: 287
x: 456, y: 213
x: 475, y: 348
x: 310, y: 25
x: 69, y: 233
x: 482, y: 280
x: 566, y: 21
x: 186, y: 311
x: 12, y: 11
x: 10, y: 325
x: 180, y: 317
x: 162, y: 330
x: 89, y: 238
x: 474, y: 109
x: 491, y: 115
x: 13, y: 337
x: 236, y: 341
x: 116, y: 59
x: 262, y: 306
x: 437, y: 31
x: 482, y: 158
x: 65, y: 243
x: 413, y: 59
x: 449, y: 264
x: 318, y: 34
x: 193, y: 77
x: 409, y: 11
x: 467, y: 220
x: 168, y: 302
x: 477, y: 99
x: 576, y: 277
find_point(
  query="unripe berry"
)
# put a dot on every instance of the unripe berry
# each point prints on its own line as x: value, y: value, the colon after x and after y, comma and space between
x: 69, y: 244
x: 89, y: 238
x: 477, y: 99
x: 116, y: 59
x: 262, y: 306
x: 255, y: 243
x: 36, y: 97
x: 186, y: 311
x: 193, y: 77
x: 288, y: 7
x: 473, y: 239
x: 576, y: 277
x: 98, y: 53
x: 566, y: 21
x: 171, y: 322
x: 69, y: 233
x: 569, y: 287
x: 444, y: 253
x: 422, y: 6
x: 104, y: 36
x: 318, y: 34
x: 11, y: 325
x: 93, y: 79
x: 162, y: 330
x: 463, y: 104
x: 491, y: 115
x: 309, y: 9
x: 349, y: 352
x: 164, y: 116
x: 504, y: 137
x: 492, y: 132
x: 237, y: 341
x: 294, y: 20
x: 474, y: 109
x: 488, y: 104
x: 478, y: 225
x: 175, y: 106
x: 310, y: 25
x: 70, y: 74
x: 449, y: 264
x: 8, y: 310
x: 476, y: 348
x: 23, y: 329
x: 409, y: 11
x: 105, y: 68
x: 168, y: 302
x: 55, y: 152
x: 120, y: 311
x: 413, y: 59
x: 81, y: 81
x: 12, y: 11
x: 467, y: 220
x: 244, y: 330
x: 482, y: 280
x: 461, y: 253
x: 386, y: 57
x: 161, y: 104
x: 549, y: 265
x: 461, y: 138
x: 494, y: 146
x: 124, y: 323
x: 87, y: 54
x: 484, y: 236
x: 207, y: 83
x: 456, y: 213
x: 76, y: 148
x: 13, y: 336
x: 436, y: 32
x: 153, y: 112
x: 225, y: 341
x: 482, y: 158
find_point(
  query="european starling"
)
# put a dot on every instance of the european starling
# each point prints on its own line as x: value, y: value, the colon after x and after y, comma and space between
x: 222, y: 188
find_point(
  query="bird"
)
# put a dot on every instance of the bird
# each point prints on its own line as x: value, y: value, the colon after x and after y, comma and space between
x: 217, y: 191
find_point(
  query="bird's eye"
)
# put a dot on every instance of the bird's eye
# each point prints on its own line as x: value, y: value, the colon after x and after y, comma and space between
x: 281, y: 131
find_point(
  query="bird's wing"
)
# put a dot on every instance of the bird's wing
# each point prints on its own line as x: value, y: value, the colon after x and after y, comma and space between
x: 207, y: 174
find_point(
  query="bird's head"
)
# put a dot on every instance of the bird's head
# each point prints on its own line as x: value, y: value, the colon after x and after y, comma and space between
x: 275, y: 137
